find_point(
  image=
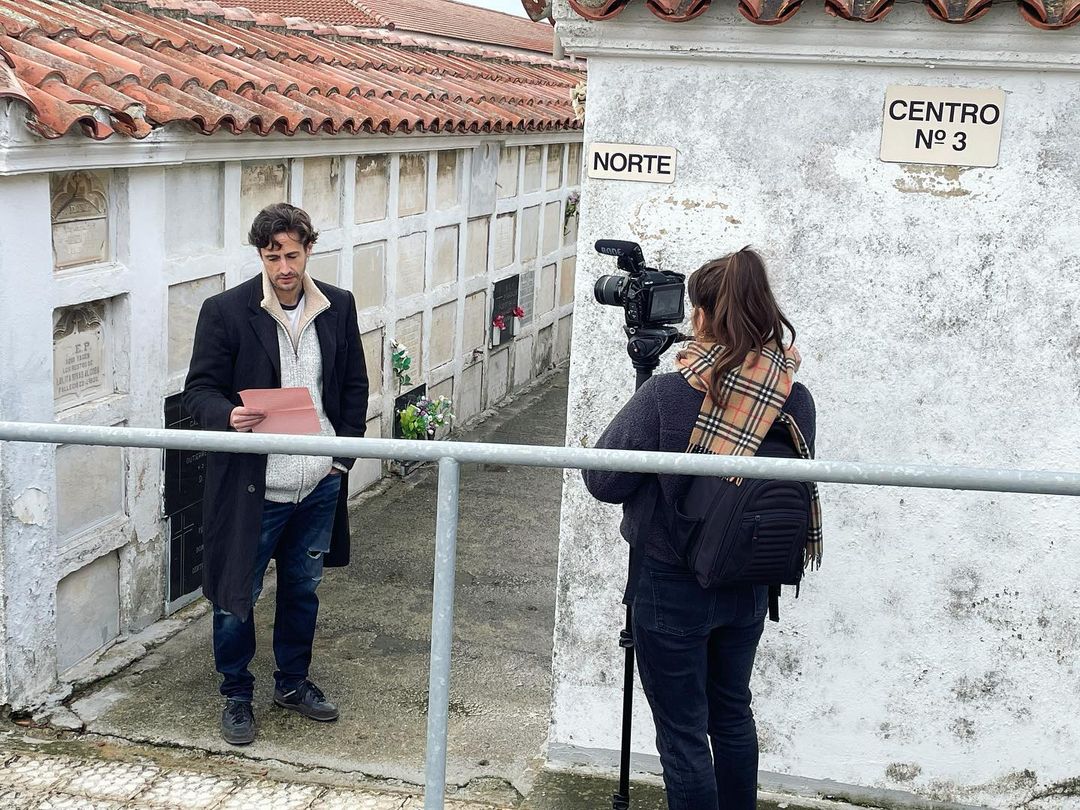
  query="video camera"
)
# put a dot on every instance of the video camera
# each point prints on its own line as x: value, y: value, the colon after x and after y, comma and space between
x: 650, y: 299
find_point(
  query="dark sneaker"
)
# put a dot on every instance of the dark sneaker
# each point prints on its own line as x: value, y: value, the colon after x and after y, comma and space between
x: 308, y: 700
x: 238, y: 722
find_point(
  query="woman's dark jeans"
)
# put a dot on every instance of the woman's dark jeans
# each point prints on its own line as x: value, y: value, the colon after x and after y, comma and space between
x: 695, y: 650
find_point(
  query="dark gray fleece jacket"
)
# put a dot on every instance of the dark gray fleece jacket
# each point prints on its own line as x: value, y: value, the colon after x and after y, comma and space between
x: 661, y: 416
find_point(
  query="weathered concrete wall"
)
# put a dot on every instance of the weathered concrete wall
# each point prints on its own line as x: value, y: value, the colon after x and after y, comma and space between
x: 84, y: 552
x: 938, y: 652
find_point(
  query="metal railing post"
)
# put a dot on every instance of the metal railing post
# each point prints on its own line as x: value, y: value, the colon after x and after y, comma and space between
x: 442, y: 634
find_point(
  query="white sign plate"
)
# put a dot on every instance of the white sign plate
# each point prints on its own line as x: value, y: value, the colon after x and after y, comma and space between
x: 618, y: 161
x: 943, y: 126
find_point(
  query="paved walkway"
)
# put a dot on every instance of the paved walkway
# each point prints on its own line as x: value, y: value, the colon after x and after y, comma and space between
x: 33, y: 781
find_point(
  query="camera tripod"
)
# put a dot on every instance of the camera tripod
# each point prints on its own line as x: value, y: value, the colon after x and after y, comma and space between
x: 645, y: 345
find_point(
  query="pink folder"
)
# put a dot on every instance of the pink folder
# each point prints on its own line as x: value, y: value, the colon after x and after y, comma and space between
x: 288, y: 410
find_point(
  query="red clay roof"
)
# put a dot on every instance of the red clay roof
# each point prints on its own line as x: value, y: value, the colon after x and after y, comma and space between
x: 339, y: 12
x: 444, y: 18
x: 439, y: 18
x: 133, y: 67
x: 1048, y: 14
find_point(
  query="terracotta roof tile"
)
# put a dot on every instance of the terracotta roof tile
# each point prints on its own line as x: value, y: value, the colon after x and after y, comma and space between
x: 133, y: 67
x: 1048, y: 14
x: 439, y: 18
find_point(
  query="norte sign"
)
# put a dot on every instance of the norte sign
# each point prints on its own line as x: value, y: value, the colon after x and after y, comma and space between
x: 944, y: 126
x: 617, y: 161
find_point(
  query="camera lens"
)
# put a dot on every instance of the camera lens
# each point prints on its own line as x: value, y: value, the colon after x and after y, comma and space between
x: 608, y: 290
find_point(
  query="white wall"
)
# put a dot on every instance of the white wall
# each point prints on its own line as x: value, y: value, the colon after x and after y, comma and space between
x: 938, y: 652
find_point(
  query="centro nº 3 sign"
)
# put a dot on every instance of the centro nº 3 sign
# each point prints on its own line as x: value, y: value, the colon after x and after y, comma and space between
x: 943, y: 126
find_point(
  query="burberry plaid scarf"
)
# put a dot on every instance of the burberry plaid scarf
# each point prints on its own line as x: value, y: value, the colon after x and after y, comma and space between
x: 753, y: 394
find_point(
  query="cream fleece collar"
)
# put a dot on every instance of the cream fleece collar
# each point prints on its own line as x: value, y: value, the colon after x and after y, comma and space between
x: 314, y: 303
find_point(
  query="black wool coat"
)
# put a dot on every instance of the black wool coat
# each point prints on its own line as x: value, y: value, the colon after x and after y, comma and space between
x: 236, y: 347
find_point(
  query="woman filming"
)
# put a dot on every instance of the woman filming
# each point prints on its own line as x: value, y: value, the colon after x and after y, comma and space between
x: 733, y: 393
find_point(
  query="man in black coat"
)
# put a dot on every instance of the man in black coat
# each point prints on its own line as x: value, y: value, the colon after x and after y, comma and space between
x: 281, y: 329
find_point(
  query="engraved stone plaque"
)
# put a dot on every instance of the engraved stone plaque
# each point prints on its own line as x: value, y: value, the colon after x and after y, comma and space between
x: 80, y: 371
x: 80, y: 218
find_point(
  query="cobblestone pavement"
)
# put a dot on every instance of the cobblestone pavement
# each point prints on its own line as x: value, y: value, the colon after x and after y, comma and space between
x: 30, y: 781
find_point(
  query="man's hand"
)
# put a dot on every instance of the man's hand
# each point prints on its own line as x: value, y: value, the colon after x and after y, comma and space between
x: 242, y: 419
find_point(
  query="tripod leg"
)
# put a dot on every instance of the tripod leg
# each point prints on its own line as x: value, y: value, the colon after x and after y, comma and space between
x: 621, y: 800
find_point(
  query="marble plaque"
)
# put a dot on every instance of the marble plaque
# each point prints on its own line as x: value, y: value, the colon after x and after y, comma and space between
x: 185, y: 302
x: 80, y: 218
x: 553, y: 226
x: 470, y: 399
x: 87, y: 610
x: 445, y: 270
x: 261, y: 184
x: 89, y: 488
x: 443, y: 333
x: 507, y: 182
x: 372, y: 187
x: 476, y: 250
x: 80, y: 370
x: 322, y: 191
x: 324, y: 267
x: 534, y: 165
x: 566, y: 280
x: 448, y: 180
x: 505, y: 236
x: 369, y: 270
x: 475, y: 321
x: 554, y: 167
x: 373, y: 356
x: 530, y: 232
x: 574, y: 165
x: 545, y: 299
x: 412, y: 261
x: 412, y: 184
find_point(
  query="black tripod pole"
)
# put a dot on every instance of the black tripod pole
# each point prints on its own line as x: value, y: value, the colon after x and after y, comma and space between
x: 621, y: 800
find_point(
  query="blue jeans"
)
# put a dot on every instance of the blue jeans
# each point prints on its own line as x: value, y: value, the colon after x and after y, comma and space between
x: 298, y: 534
x: 695, y: 650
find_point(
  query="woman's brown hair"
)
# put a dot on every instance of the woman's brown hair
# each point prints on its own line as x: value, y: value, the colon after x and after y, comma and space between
x: 741, y: 313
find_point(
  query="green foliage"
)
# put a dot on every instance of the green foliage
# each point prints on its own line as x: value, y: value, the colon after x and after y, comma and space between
x: 401, y: 363
x: 420, y: 419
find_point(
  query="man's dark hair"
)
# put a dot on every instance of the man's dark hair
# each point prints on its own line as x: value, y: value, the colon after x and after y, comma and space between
x: 281, y: 218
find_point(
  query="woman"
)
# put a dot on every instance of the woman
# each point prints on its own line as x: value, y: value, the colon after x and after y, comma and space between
x: 733, y: 393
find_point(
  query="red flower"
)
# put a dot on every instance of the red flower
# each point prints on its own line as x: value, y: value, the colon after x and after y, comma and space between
x: 499, y: 322
x: 519, y: 312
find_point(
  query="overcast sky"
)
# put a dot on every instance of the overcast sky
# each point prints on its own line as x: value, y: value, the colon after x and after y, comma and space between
x: 509, y: 6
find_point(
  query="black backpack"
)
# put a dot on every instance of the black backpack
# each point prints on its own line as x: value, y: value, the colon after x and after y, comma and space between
x: 753, y: 533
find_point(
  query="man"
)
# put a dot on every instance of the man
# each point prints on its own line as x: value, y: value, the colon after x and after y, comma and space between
x: 278, y: 330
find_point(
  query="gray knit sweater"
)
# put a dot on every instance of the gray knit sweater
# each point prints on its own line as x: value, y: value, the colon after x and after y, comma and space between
x: 289, y: 478
x: 661, y: 416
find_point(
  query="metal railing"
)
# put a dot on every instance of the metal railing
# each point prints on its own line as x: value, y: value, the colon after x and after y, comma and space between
x: 450, y: 456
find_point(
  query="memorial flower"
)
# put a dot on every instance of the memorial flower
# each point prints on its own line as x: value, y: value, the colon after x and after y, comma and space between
x: 499, y: 322
x: 519, y: 312
x: 420, y: 419
x: 401, y: 362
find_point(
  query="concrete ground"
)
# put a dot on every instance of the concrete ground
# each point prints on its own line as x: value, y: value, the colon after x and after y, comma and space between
x: 152, y: 730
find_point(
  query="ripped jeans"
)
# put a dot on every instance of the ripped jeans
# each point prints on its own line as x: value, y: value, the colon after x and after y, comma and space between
x: 298, y: 535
